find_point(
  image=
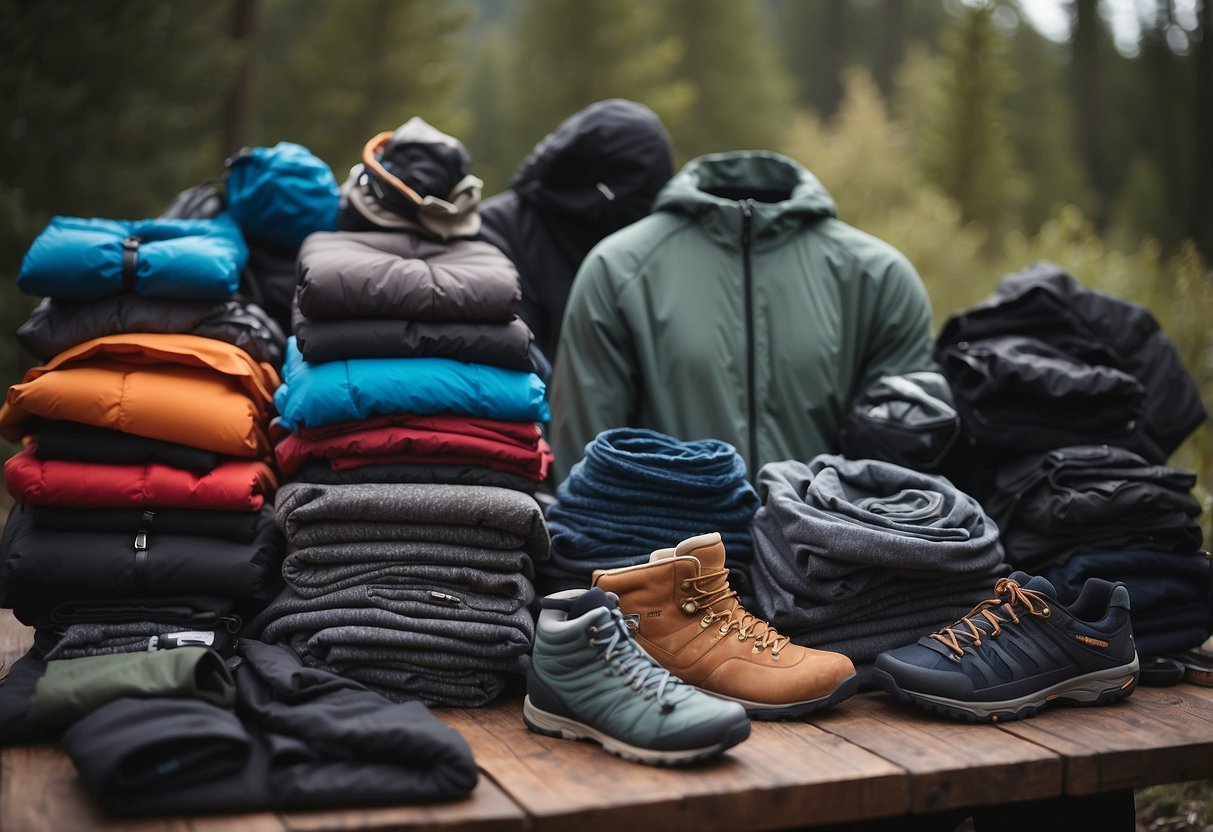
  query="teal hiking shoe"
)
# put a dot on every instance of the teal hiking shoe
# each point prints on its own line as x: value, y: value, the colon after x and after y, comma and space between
x: 590, y: 680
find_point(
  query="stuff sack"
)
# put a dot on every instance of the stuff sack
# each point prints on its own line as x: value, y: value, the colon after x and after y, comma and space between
x: 83, y: 259
x: 281, y: 193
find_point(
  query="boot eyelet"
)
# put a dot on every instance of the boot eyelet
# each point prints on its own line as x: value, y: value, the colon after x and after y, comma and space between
x: 755, y: 649
x: 690, y: 607
x: 1046, y: 612
x: 705, y: 622
x: 742, y: 636
x: 724, y: 631
x: 775, y: 655
x: 686, y: 585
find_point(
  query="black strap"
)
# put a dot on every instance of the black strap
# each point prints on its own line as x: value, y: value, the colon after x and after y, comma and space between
x: 130, y: 260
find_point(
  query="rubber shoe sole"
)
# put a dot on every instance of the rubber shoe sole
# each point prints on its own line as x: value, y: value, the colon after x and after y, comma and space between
x: 1102, y: 687
x: 760, y: 710
x: 552, y: 725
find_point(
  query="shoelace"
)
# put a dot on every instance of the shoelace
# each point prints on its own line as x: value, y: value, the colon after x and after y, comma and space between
x: 1008, y: 594
x: 623, y: 657
x: 747, y: 624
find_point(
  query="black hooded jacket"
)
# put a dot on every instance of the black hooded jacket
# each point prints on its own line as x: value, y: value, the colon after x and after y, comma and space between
x: 598, y: 171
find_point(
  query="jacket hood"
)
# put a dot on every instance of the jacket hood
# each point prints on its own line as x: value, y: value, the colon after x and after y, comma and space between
x: 783, y: 194
x: 603, y: 165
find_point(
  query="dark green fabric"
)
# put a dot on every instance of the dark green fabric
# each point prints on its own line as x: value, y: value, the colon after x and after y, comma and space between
x: 655, y: 332
x: 71, y: 688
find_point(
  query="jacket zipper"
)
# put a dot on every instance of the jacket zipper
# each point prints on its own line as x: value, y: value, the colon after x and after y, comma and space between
x: 752, y: 394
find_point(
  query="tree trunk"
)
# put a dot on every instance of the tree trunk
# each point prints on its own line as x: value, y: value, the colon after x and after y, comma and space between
x: 1085, y: 88
x: 833, y: 56
x: 1202, y: 179
x: 894, y: 47
x: 235, y: 111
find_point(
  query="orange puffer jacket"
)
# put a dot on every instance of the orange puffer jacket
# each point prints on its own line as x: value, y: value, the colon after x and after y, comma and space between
x: 179, y: 388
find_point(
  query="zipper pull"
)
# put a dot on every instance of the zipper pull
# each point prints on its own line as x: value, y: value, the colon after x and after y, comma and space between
x: 747, y: 215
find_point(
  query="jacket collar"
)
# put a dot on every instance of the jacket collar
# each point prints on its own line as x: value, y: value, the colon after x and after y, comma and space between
x: 781, y: 194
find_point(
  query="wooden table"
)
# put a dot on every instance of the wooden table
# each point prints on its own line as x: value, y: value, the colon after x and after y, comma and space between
x: 867, y: 758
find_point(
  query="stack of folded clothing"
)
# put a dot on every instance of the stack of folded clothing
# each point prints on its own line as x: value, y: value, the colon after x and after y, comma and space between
x: 409, y: 410
x: 861, y: 556
x: 144, y: 489
x: 418, y: 590
x: 1102, y: 511
x: 633, y: 492
x: 1045, y: 363
x: 1071, y: 402
x: 408, y: 364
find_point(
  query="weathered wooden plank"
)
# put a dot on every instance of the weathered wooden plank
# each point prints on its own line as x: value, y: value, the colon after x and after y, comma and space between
x: 15, y: 640
x: 1158, y: 735
x: 487, y: 809
x: 951, y: 764
x: 41, y: 792
x: 785, y: 774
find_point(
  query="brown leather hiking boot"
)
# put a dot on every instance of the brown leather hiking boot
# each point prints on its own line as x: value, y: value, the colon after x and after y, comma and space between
x: 689, y: 620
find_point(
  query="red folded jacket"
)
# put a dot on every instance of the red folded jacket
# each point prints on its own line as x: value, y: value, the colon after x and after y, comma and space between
x: 235, y: 485
x: 522, y: 434
x: 426, y: 447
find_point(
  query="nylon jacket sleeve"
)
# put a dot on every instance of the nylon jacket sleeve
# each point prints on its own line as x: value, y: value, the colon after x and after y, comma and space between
x: 899, y: 340
x: 594, y: 384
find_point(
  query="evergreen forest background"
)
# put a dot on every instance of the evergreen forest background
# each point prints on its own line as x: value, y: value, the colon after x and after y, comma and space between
x: 955, y: 130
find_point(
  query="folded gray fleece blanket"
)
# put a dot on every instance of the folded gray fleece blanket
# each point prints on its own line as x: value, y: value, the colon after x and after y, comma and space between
x: 458, y: 650
x: 860, y: 556
x: 312, y: 514
x: 318, y: 570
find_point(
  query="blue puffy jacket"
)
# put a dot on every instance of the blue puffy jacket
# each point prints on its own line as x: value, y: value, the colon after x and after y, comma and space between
x: 313, y: 395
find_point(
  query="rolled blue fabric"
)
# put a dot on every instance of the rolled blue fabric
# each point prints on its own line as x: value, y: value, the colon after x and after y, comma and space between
x: 637, y: 490
x: 83, y: 259
x: 313, y: 395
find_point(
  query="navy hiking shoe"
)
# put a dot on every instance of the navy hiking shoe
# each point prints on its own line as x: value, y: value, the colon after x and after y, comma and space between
x: 589, y: 679
x: 1018, y: 652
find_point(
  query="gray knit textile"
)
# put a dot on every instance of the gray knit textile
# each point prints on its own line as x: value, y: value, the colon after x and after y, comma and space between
x: 418, y: 590
x: 861, y: 556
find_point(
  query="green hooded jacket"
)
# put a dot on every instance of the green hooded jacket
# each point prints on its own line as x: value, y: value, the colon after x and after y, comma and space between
x: 741, y: 309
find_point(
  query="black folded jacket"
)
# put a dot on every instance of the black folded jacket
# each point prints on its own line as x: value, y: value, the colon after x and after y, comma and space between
x: 42, y: 569
x: 502, y: 344
x: 55, y: 326
x: 86, y: 443
x: 300, y: 738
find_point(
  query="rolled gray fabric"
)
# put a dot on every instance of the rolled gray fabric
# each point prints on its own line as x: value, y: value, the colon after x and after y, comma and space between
x: 312, y: 514
x: 861, y: 556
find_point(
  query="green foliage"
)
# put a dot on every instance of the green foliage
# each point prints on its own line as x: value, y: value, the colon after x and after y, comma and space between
x: 1041, y: 130
x: 489, y: 97
x: 967, y: 149
x: 362, y: 66
x: 741, y: 92
x: 570, y: 53
x: 110, y: 107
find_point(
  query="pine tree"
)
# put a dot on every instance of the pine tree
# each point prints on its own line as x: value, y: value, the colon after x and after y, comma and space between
x: 1042, y: 130
x: 742, y: 95
x: 571, y: 53
x: 966, y: 148
x: 352, y: 69
x: 109, y: 108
